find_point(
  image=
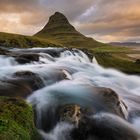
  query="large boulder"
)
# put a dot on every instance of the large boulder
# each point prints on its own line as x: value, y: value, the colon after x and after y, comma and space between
x: 108, y: 100
x: 27, y: 58
x: 104, y: 126
x: 16, y: 120
x: 15, y: 88
x: 33, y: 79
x: 3, y: 51
x: 22, y: 84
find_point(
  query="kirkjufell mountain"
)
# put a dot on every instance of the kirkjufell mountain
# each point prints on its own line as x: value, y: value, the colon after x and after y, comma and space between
x: 60, y: 30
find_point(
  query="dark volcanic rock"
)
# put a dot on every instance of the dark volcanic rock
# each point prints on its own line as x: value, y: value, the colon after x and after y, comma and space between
x: 22, y: 85
x: 14, y: 88
x: 32, y: 79
x: 104, y: 126
x: 106, y: 100
x: 27, y: 58
x: 3, y: 51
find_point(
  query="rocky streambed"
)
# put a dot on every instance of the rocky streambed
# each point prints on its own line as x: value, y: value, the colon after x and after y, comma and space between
x: 63, y: 94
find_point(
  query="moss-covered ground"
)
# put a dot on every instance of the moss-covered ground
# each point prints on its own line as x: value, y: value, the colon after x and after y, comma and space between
x: 16, y: 120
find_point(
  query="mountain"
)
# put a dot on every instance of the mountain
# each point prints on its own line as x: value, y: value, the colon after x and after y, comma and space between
x: 59, y: 29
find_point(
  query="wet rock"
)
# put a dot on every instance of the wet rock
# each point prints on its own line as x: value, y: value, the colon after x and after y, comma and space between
x: 27, y: 58
x: 3, y: 51
x: 73, y: 113
x: 109, y: 101
x: 15, y: 88
x: 70, y: 113
x: 104, y: 126
x: 31, y: 78
x: 22, y: 85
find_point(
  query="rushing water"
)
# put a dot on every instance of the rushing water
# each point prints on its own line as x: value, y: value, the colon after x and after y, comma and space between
x: 68, y: 79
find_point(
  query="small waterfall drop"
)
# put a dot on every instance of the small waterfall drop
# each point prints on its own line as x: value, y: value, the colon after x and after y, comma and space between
x: 71, y: 78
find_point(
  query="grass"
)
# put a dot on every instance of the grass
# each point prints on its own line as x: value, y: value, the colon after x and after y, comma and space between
x: 121, y: 63
x: 21, y: 41
x: 16, y: 120
x: 111, y: 49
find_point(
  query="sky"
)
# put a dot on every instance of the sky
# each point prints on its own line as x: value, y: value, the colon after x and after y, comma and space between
x: 104, y: 20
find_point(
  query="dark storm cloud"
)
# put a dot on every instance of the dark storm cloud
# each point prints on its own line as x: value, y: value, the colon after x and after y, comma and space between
x: 106, y: 20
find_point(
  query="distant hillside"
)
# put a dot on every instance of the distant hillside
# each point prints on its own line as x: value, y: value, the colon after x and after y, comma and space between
x: 59, y: 29
x: 127, y: 44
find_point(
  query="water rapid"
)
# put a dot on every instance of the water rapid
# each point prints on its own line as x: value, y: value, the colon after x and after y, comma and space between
x: 70, y: 77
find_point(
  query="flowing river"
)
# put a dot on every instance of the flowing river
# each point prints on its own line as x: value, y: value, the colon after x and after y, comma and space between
x: 70, y: 77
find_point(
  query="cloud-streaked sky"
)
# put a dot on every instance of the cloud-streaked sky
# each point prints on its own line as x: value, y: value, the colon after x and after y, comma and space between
x: 104, y: 20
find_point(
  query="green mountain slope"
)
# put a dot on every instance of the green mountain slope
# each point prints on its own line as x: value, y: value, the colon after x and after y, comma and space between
x: 59, y: 29
x: 21, y: 41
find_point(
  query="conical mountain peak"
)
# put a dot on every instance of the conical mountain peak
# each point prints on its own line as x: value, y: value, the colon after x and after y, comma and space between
x: 57, y: 23
x: 58, y: 20
x: 59, y: 29
x: 58, y: 17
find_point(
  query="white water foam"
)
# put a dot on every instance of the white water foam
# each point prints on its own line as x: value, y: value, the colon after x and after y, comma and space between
x: 71, y: 74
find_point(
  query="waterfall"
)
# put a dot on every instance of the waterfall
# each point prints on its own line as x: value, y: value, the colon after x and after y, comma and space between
x: 70, y: 77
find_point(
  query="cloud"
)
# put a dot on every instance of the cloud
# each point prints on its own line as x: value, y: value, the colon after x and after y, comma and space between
x: 112, y: 20
x: 105, y: 20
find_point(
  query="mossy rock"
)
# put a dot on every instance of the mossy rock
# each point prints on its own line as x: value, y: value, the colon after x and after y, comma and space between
x: 16, y: 120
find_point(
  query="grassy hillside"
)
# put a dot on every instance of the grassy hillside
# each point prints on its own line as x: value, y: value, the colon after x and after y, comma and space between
x: 21, y: 41
x: 118, y: 61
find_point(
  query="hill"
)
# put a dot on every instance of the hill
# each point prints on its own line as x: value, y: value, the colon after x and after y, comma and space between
x: 59, y: 29
x: 21, y: 41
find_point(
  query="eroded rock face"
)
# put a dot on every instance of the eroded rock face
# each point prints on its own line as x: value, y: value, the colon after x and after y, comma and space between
x: 70, y: 113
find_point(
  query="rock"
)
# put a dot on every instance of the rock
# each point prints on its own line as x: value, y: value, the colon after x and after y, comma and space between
x: 109, y: 101
x: 73, y: 113
x: 70, y: 113
x: 27, y: 58
x: 15, y: 88
x: 22, y: 85
x: 3, y: 51
x: 104, y: 126
x: 16, y: 120
x: 32, y: 79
